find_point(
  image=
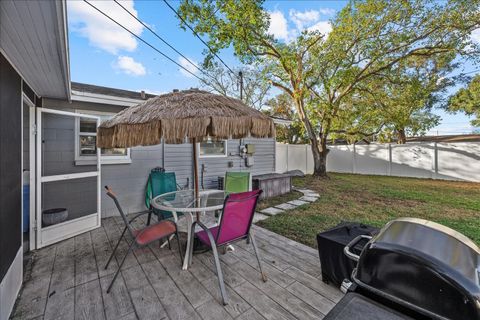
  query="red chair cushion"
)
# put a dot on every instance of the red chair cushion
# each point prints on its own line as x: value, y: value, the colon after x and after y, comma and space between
x: 154, y: 232
x: 202, y: 235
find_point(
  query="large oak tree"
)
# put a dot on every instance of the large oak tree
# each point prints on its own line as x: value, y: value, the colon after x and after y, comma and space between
x: 321, y: 73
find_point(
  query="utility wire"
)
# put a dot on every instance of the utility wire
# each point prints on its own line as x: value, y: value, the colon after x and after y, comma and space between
x: 472, y: 71
x: 198, y: 36
x: 163, y: 40
x: 147, y: 43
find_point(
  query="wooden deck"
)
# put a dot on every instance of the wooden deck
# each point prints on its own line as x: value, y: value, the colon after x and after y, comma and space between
x: 68, y: 281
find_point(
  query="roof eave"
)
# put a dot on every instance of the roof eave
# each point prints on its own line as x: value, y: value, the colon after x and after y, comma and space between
x: 63, y: 45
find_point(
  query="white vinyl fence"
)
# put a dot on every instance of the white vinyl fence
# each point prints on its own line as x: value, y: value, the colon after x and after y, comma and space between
x: 449, y: 161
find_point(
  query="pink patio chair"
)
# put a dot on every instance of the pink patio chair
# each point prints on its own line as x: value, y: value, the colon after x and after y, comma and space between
x: 235, y: 224
x: 141, y: 237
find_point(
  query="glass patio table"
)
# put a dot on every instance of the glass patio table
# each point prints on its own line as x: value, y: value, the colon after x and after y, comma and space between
x: 184, y: 201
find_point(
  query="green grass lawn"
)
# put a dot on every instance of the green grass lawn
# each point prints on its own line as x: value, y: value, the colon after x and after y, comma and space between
x: 376, y: 200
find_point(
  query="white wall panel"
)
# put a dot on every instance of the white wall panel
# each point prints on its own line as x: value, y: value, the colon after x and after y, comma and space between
x: 340, y: 159
x: 372, y: 159
x: 459, y: 161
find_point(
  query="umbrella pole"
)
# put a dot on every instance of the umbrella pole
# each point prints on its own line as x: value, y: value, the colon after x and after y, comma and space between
x: 195, y: 172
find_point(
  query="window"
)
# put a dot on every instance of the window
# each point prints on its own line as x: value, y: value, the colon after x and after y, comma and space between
x: 211, y: 148
x: 86, y: 148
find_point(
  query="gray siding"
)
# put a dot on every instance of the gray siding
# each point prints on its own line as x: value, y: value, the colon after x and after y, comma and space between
x: 264, y: 160
x: 129, y: 180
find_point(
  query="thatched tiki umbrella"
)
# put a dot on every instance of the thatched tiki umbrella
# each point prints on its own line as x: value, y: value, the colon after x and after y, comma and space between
x: 177, y: 117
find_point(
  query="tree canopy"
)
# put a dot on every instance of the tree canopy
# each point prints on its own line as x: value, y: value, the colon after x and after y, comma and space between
x: 468, y: 100
x: 325, y: 74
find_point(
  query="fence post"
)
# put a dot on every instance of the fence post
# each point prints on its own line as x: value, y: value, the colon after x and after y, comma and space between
x: 354, y: 160
x: 287, y: 157
x: 389, y: 159
x: 306, y: 159
x: 435, y: 160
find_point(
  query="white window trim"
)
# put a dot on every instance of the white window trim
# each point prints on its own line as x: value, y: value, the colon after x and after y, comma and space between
x: 214, y: 155
x: 92, y: 160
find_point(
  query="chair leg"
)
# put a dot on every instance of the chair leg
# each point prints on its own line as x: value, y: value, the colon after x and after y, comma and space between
x: 120, y: 267
x: 115, y: 249
x: 254, y: 244
x: 169, y: 244
x: 219, y: 275
x: 217, y: 262
x: 149, y: 217
x: 166, y: 242
x: 179, y: 246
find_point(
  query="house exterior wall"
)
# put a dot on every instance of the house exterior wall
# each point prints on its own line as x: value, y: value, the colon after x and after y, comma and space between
x: 129, y: 180
x: 10, y: 185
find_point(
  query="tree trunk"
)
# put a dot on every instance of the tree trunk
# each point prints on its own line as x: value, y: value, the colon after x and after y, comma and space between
x: 319, y: 148
x: 401, y: 136
x: 320, y: 152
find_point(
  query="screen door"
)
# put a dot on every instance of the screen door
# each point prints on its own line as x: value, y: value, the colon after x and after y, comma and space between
x: 67, y: 191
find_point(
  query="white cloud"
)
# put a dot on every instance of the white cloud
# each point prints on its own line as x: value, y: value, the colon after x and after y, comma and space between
x: 278, y: 25
x: 310, y: 20
x: 129, y: 66
x: 327, y: 11
x: 476, y: 36
x: 189, y: 66
x: 303, y: 19
x: 323, y: 26
x: 100, y: 31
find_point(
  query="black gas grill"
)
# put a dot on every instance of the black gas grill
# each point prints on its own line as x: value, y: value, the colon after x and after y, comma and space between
x: 415, y: 268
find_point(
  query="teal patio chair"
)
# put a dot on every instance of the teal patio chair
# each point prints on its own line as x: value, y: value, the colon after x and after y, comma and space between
x: 160, y: 182
x: 236, y: 182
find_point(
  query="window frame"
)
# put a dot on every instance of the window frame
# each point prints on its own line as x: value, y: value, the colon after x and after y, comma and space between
x: 91, y: 159
x: 224, y: 155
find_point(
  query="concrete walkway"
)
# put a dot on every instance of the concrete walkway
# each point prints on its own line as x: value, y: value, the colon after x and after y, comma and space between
x: 308, y: 197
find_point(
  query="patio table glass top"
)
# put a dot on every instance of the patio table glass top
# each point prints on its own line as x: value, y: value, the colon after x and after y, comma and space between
x: 185, y: 201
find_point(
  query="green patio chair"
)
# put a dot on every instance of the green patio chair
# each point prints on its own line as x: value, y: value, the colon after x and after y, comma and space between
x: 236, y: 182
x: 160, y: 182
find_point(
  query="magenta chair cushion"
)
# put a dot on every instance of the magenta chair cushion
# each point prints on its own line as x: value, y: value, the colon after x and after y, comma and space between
x: 236, y: 220
x: 202, y: 235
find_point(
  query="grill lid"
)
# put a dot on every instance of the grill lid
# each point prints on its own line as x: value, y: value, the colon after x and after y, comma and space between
x: 424, y: 266
x: 435, y: 241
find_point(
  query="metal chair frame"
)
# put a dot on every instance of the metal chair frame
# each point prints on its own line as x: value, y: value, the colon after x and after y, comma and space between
x: 249, y: 237
x: 134, y: 244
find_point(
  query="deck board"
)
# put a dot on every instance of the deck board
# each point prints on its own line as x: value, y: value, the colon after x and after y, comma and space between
x: 68, y: 280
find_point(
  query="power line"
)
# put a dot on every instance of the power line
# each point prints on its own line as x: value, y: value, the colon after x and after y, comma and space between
x: 472, y: 71
x: 163, y: 40
x: 198, y: 36
x: 145, y: 42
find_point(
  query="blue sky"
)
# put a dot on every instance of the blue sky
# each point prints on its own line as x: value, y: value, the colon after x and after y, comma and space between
x: 102, y: 53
